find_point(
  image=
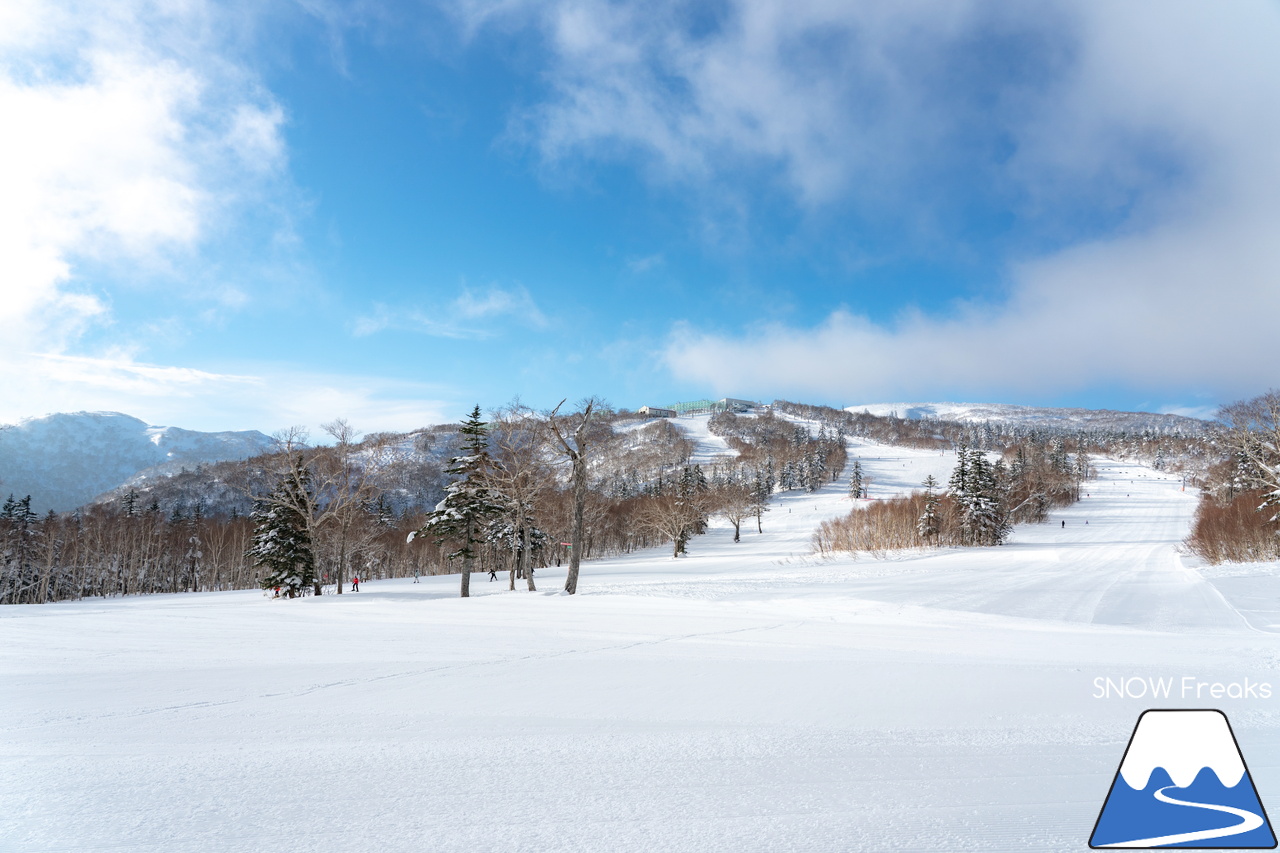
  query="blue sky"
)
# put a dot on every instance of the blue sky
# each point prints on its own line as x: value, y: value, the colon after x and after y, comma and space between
x: 252, y: 215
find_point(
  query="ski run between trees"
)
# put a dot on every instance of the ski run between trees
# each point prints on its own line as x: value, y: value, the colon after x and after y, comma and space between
x: 748, y: 696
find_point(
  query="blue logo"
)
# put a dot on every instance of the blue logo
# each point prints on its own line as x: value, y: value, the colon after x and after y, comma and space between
x: 1183, y: 783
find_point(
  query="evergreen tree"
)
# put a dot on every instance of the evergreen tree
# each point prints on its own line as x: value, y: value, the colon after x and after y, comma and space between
x: 928, y: 526
x: 761, y: 489
x: 787, y: 478
x: 281, y: 545
x: 18, y: 536
x: 815, y: 469
x: 469, y: 503
x: 195, y: 555
x: 984, y: 504
x: 691, y: 492
x: 855, y: 481
x: 977, y: 492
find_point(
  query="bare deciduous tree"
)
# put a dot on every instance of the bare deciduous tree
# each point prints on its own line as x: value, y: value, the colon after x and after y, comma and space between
x: 1253, y: 434
x: 520, y: 474
x: 576, y: 452
x: 332, y: 486
x: 736, y: 502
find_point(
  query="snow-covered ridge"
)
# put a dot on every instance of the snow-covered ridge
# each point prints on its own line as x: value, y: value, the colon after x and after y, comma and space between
x: 1039, y: 416
x: 1183, y: 743
x: 64, y: 460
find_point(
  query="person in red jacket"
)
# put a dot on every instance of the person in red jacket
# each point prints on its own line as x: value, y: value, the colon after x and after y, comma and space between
x: 355, y: 584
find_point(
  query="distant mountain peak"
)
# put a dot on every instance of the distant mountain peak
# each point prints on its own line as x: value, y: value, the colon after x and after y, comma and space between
x: 63, y: 460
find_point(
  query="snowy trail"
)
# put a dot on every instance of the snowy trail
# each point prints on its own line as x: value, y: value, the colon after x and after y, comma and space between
x: 1115, y: 562
x: 749, y: 698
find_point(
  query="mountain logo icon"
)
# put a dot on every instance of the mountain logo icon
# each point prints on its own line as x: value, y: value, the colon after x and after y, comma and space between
x: 1183, y: 783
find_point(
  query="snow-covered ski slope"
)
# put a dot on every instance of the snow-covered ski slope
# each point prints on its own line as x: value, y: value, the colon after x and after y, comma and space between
x: 1037, y: 416
x: 751, y: 697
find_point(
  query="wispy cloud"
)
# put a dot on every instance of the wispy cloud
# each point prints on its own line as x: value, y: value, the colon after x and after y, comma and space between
x: 828, y: 98
x: 271, y: 397
x: 133, y: 131
x: 1139, y: 137
x: 121, y: 374
x: 645, y: 263
x: 470, y: 315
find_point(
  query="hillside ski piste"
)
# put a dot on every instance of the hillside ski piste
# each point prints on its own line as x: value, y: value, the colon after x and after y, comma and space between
x: 1183, y: 783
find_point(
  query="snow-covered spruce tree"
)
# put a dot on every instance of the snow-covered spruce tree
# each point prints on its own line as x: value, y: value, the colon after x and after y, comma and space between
x: 281, y: 545
x: 693, y: 488
x: 468, y: 503
x: 855, y: 481
x: 986, y: 503
x: 815, y: 469
x: 19, y: 577
x: 929, y: 526
x: 958, y: 487
x: 978, y: 494
x: 761, y: 489
x: 787, y: 477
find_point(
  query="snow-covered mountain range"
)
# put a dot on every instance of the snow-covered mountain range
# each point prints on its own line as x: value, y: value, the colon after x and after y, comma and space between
x: 64, y: 460
x: 1036, y: 416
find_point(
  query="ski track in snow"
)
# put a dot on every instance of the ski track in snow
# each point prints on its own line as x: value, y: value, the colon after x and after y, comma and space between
x: 750, y: 697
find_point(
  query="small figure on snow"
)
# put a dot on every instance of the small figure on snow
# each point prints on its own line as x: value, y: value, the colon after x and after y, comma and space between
x: 355, y: 584
x: 493, y: 574
x: 415, y: 574
x: 1064, y: 522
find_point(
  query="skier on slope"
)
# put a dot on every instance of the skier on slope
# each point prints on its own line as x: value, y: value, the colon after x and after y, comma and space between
x: 355, y: 583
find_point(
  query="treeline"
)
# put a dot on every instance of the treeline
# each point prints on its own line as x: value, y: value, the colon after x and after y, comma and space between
x: 782, y: 452
x: 124, y: 549
x: 357, y: 500
x: 1189, y: 449
x: 1238, y: 519
x: 982, y: 502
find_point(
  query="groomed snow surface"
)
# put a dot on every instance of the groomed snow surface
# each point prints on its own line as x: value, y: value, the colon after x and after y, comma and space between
x: 751, y: 697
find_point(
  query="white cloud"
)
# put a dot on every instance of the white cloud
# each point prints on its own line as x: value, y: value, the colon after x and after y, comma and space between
x: 1183, y: 307
x: 1140, y: 135
x: 833, y: 97
x: 470, y: 315
x: 270, y: 398
x: 130, y: 133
